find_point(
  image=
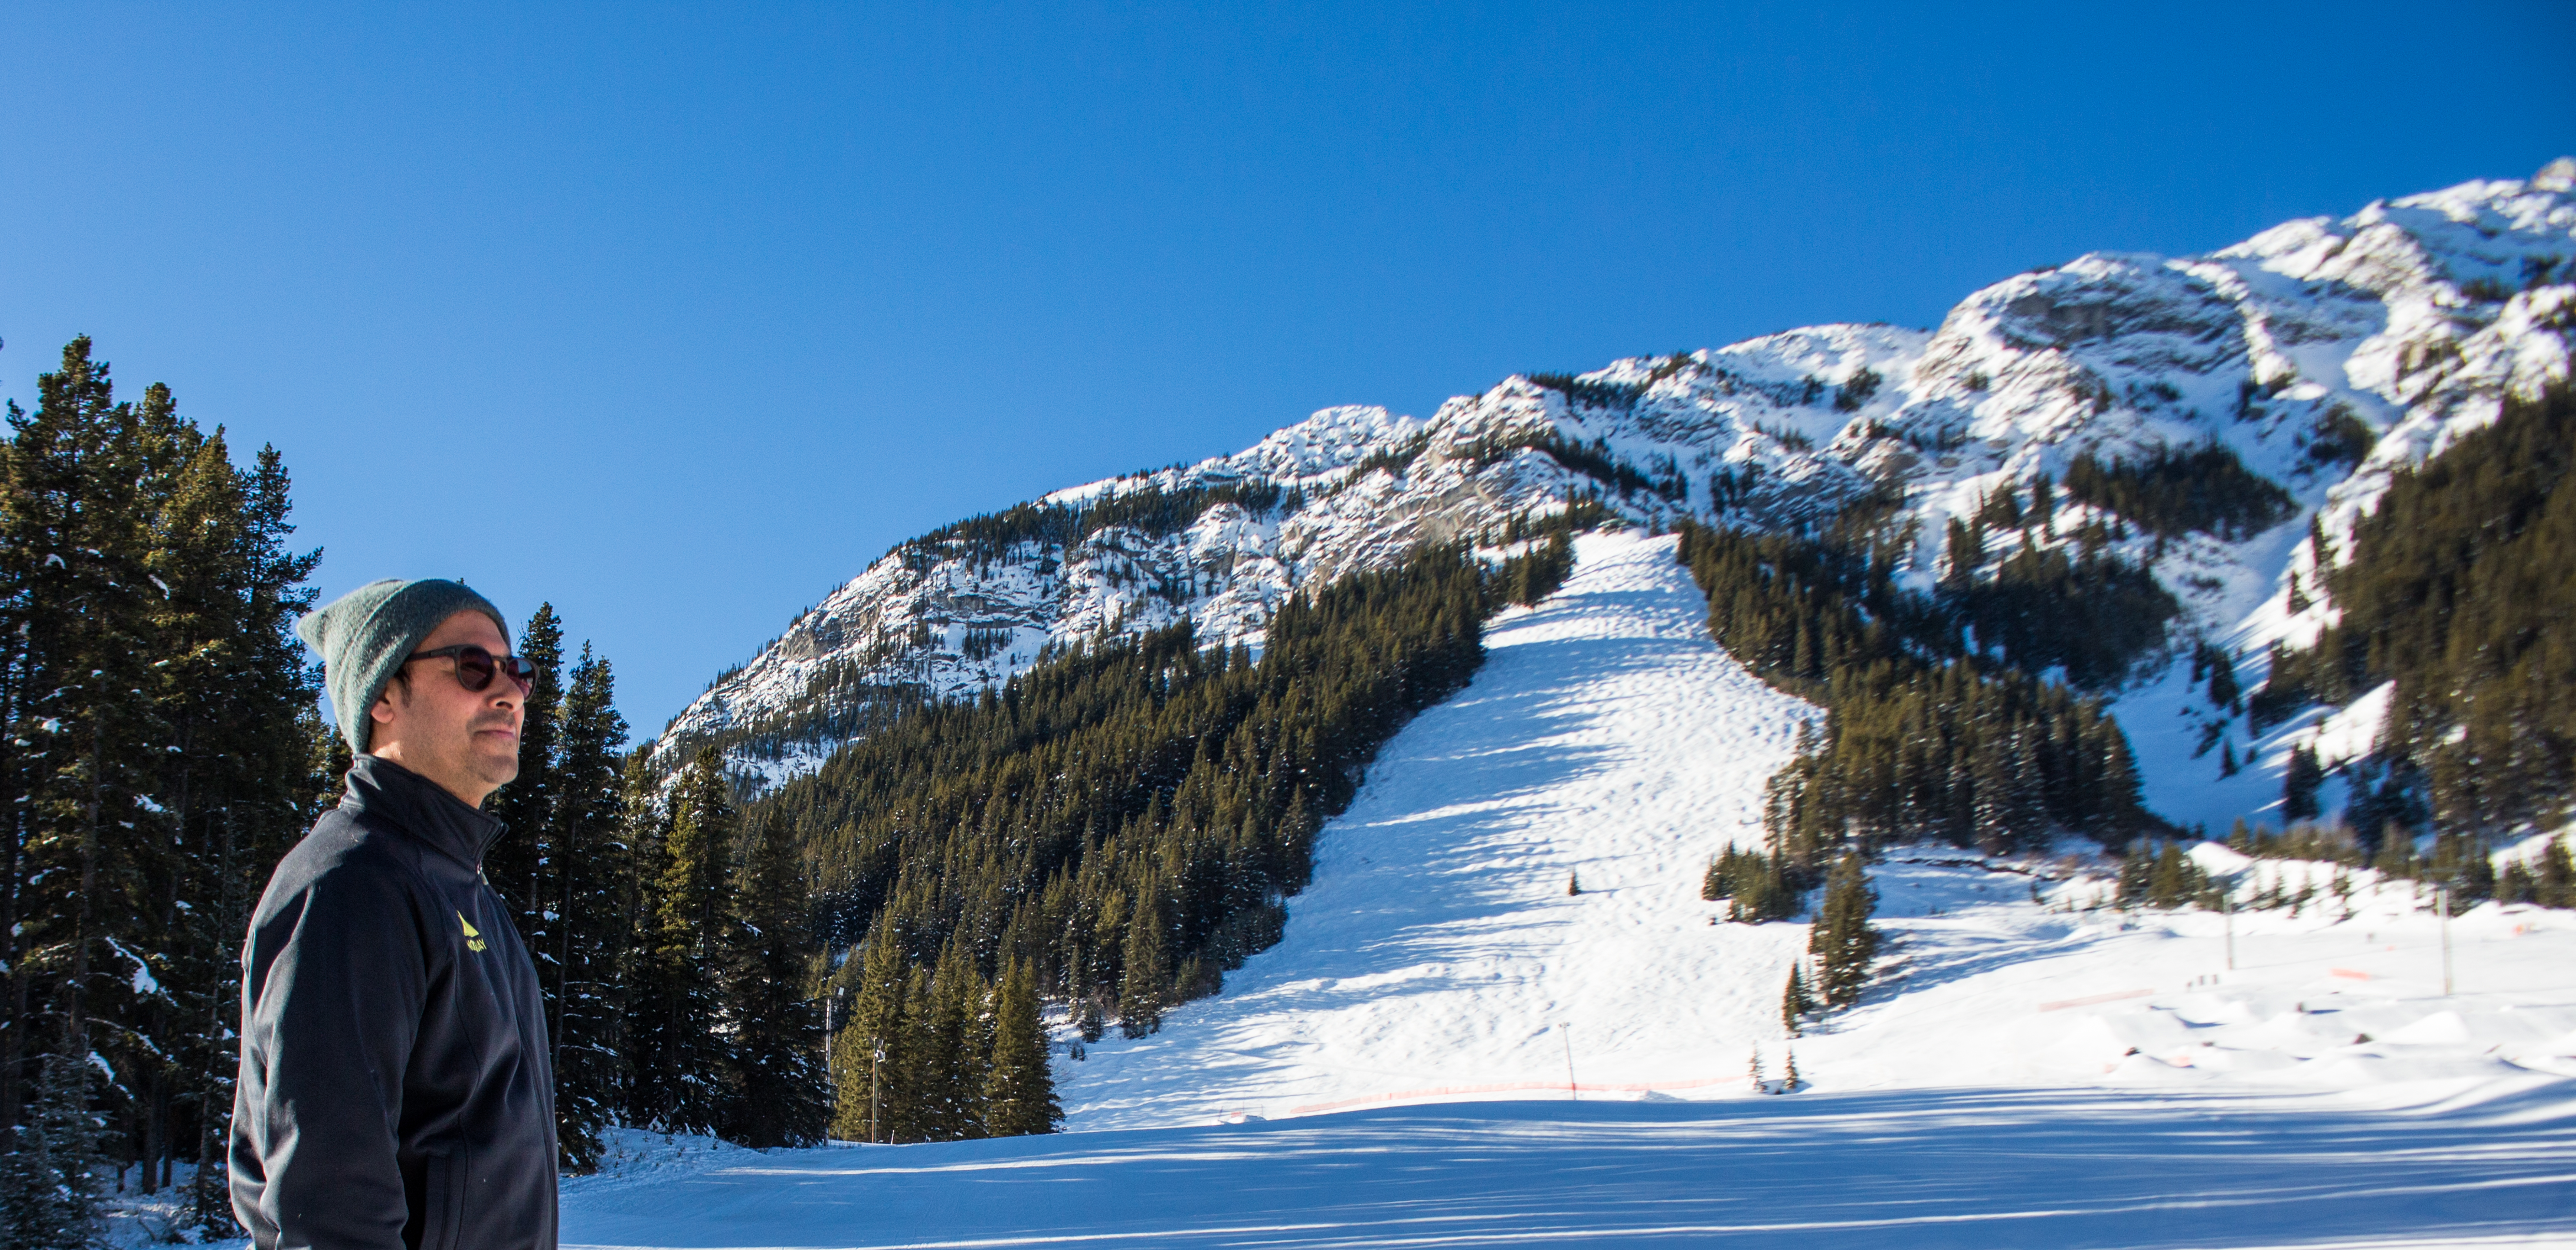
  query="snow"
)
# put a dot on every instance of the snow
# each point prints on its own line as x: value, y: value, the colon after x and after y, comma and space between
x: 2353, y: 732
x: 1448, y: 1049
x: 1607, y: 738
x: 1945, y: 1168
x: 1438, y: 957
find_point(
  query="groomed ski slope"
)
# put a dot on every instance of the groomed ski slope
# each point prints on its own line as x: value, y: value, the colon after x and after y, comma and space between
x: 1606, y: 740
x: 2029, y: 1070
x: 1438, y: 956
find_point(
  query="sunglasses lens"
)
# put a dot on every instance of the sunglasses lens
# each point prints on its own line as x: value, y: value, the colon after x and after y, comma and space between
x: 474, y: 668
x: 521, y: 671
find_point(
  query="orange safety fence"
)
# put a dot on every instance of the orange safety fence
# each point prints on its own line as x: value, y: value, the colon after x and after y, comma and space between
x: 2063, y: 1004
x: 1437, y: 1091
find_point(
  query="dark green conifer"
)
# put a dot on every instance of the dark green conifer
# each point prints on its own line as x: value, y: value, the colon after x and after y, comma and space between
x: 591, y: 872
x: 1843, y: 941
x: 1795, y: 1001
x: 1141, y: 992
x: 2555, y: 880
x: 780, y: 1095
x: 49, y: 1185
x: 911, y: 1107
x: 153, y: 714
x: 2299, y: 784
x: 518, y: 863
x: 1019, y: 1090
x: 684, y: 1070
x: 865, y: 1045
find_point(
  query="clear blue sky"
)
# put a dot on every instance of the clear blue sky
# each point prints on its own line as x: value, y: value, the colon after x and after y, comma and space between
x: 678, y: 316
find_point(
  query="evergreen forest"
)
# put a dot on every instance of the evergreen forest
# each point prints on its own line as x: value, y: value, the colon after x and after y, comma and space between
x: 157, y: 732
x: 2456, y: 589
x: 1113, y: 829
x: 1925, y: 737
x: 164, y: 748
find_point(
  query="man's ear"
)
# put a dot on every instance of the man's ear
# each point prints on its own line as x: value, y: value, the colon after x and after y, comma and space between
x: 383, y: 711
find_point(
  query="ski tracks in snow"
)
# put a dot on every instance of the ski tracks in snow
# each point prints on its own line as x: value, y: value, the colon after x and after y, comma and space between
x: 1607, y: 739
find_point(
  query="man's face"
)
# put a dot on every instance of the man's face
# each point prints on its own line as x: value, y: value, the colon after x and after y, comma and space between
x: 465, y: 740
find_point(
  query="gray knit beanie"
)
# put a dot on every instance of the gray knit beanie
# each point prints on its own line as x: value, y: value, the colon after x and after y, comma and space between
x: 365, y: 635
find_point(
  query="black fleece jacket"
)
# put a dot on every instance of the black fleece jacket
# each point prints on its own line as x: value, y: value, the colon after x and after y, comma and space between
x: 395, y: 1085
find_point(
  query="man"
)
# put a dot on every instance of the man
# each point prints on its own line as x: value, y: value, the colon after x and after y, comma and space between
x: 395, y: 1090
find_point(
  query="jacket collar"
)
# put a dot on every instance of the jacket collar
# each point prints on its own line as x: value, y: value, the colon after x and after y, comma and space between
x: 422, y: 808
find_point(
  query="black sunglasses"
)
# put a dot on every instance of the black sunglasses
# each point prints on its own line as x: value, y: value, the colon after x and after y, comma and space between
x: 476, y: 667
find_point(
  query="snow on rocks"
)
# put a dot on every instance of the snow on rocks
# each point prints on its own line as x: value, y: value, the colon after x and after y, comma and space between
x: 2408, y: 322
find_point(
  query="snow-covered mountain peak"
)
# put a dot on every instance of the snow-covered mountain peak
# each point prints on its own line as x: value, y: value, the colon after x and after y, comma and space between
x: 2322, y: 354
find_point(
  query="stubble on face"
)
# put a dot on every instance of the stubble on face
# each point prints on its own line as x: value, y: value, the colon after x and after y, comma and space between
x: 467, y: 741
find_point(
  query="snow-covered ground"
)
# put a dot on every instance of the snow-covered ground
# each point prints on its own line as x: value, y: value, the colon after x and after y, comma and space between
x: 1447, y: 1048
x: 1944, y: 1168
x: 1438, y: 955
x: 1607, y: 740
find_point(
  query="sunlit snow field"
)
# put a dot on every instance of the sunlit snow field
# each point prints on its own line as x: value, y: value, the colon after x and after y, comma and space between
x: 1449, y: 1048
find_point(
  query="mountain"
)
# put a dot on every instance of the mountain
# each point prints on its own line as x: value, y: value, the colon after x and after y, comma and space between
x: 2206, y: 414
x: 1447, y: 1047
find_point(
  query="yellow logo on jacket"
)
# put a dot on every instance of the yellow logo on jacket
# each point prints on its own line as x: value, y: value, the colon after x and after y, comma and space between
x: 473, y: 936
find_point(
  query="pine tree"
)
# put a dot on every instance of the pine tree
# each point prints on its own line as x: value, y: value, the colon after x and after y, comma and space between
x: 519, y: 862
x: 954, y: 1063
x: 781, y: 1097
x: 82, y: 730
x: 2555, y: 882
x: 49, y: 1186
x: 153, y: 712
x: 2299, y: 784
x: 1019, y: 1091
x: 910, y: 1108
x: 591, y: 875
x: 1789, y: 1083
x: 1754, y: 1075
x: 1843, y: 941
x: 876, y: 1026
x: 1573, y: 883
x: 684, y: 1067
x: 1795, y: 1001
x: 1140, y: 995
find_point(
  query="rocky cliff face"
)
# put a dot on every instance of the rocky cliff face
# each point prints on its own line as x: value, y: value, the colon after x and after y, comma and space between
x: 2322, y: 353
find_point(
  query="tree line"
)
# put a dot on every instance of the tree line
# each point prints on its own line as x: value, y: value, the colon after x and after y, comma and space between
x: 1924, y: 737
x: 1115, y: 828
x: 157, y: 727
x: 161, y: 747
x: 2456, y: 589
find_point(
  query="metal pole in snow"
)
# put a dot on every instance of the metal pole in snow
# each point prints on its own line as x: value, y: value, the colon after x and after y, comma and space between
x: 2228, y: 904
x: 1566, y: 1032
x: 2442, y: 899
